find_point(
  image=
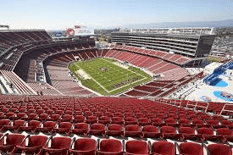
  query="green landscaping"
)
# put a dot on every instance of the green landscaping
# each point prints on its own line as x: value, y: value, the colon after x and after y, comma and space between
x: 108, y: 78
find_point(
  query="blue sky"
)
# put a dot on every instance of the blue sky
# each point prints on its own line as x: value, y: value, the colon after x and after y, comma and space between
x: 60, y: 14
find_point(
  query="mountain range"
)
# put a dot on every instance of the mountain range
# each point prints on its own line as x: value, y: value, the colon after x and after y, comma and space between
x: 222, y: 23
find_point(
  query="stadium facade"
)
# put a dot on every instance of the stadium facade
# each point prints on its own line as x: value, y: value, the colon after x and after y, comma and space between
x: 195, y: 43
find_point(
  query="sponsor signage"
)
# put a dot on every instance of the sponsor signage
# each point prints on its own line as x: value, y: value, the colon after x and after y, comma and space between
x: 58, y: 34
x: 70, y: 32
x: 83, y: 32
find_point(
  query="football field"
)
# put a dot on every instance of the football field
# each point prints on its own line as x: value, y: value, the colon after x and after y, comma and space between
x: 107, y: 76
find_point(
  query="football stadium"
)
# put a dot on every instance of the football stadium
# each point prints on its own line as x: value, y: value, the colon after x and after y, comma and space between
x: 149, y: 91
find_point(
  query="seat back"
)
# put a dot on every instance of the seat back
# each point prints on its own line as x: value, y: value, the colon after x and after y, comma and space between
x: 191, y: 148
x: 111, y: 145
x: 206, y: 131
x: 98, y: 126
x: 197, y: 121
x: 49, y: 124
x: 104, y: 118
x: 150, y: 128
x: 65, y: 125
x: 224, y: 131
x: 143, y: 120
x: 60, y: 143
x: 130, y: 119
x: 21, y: 115
x: 115, y: 127
x: 170, y: 120
x: 55, y: 116
x: 34, y: 123
x: 14, y: 139
x: 157, y: 120
x: 187, y: 130
x: 19, y: 122
x: 81, y: 126
x: 163, y: 147
x: 137, y: 147
x: 168, y: 129
x: 43, y: 116
x: 219, y: 149
x: 85, y: 144
x: 132, y: 128
x: 4, y: 122
x: 184, y: 121
x: 37, y: 141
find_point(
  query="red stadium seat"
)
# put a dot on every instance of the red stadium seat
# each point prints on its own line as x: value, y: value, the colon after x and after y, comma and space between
x: 48, y: 127
x: 50, y: 111
x: 91, y: 119
x: 115, y: 130
x: 79, y: 118
x: 130, y: 120
x: 80, y: 129
x: 86, y: 146
x: 191, y: 148
x: 60, y: 112
x: 10, y: 115
x: 143, y: 121
x: 21, y: 115
x: 133, y: 131
x: 43, y: 116
x: 16, y: 124
x: 110, y: 146
x: 217, y: 117
x: 117, y: 120
x: 32, y: 125
x: 67, y: 118
x: 170, y: 122
x: 198, y: 122
x: 64, y: 128
x: 59, y: 145
x: 55, y: 117
x: 208, y: 134
x: 11, y: 141
x: 137, y: 147
x: 163, y: 148
x: 169, y: 132
x: 32, y: 116
x: 104, y: 120
x: 109, y: 114
x: 150, y: 131
x: 226, y: 133
x: 97, y: 129
x: 34, y: 146
x: 184, y: 122
x: 219, y: 149
x: 188, y: 133
x: 4, y: 122
x: 157, y: 122
x: 213, y: 123
x: 226, y: 122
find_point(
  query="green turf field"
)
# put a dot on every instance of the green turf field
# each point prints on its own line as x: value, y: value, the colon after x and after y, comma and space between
x: 107, y: 78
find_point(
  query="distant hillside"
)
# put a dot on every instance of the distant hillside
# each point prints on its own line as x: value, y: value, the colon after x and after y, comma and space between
x: 223, y: 23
